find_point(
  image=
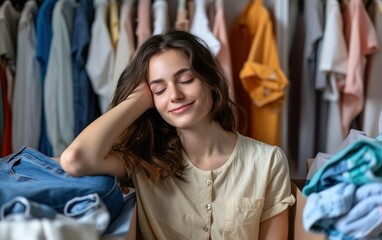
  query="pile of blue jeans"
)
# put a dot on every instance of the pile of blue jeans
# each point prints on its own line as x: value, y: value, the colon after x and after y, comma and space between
x: 29, y: 174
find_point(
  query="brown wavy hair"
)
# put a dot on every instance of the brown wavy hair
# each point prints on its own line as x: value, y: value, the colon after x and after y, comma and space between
x: 150, y: 143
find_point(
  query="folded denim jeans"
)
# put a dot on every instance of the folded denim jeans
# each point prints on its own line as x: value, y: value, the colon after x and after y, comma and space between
x: 21, y: 208
x: 33, y: 175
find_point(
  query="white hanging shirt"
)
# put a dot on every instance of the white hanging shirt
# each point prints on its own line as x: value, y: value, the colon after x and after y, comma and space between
x: 200, y: 27
x: 100, y: 62
x: 26, y: 104
x: 58, y: 89
x: 334, y: 62
x: 161, y: 17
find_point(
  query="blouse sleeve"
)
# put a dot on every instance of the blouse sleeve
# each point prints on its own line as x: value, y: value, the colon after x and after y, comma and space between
x: 278, y: 194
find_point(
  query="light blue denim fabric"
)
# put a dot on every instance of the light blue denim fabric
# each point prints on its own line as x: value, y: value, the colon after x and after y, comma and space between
x: 323, y: 208
x: 121, y: 225
x: 364, y: 220
x: 21, y: 208
x: 88, y: 209
x: 33, y: 175
x: 360, y: 163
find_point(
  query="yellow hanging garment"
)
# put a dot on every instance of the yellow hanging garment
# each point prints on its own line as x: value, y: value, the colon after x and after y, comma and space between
x: 262, y: 77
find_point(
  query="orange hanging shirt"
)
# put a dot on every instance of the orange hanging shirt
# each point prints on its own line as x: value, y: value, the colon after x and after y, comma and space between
x: 261, y: 76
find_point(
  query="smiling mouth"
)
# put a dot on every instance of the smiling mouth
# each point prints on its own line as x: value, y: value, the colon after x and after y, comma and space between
x: 181, y: 108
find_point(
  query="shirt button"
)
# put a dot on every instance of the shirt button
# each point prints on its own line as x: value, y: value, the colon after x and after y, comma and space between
x: 208, y: 182
x: 208, y: 206
x: 205, y: 229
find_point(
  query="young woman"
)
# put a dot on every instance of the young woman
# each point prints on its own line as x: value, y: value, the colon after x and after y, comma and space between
x: 171, y: 130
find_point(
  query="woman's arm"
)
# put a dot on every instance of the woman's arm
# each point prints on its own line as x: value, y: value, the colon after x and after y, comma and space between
x: 275, y: 228
x: 90, y: 153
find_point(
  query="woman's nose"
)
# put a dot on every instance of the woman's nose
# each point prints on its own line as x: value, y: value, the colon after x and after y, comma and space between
x: 176, y: 93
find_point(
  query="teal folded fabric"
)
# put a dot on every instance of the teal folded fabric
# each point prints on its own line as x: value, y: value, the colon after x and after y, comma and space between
x: 360, y: 163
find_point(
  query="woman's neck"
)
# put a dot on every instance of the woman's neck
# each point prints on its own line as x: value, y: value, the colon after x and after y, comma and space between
x: 208, y: 147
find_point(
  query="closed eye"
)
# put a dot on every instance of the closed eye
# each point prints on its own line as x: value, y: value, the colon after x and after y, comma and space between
x: 187, y: 81
x: 159, y: 92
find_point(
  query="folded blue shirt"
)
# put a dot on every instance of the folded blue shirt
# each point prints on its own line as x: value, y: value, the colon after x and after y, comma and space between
x: 322, y: 209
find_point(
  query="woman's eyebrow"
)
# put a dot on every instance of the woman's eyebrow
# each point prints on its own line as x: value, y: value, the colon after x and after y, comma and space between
x: 176, y: 74
x: 156, y: 81
x: 180, y: 72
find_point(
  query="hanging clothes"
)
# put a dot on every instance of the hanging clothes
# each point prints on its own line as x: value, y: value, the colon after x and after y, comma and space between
x: 224, y: 55
x: 200, y: 27
x: 9, y: 20
x: 313, y: 20
x: 100, y: 62
x: 58, y: 88
x: 361, y: 40
x: 27, y: 96
x: 190, y: 11
x: 143, y: 30
x: 241, y: 38
x: 2, y: 78
x: 114, y: 22
x: 126, y: 44
x: 161, y: 21
x: 296, y: 59
x: 261, y: 76
x: 333, y: 62
x: 85, y: 101
x: 373, y: 97
x: 182, y: 22
x: 44, y: 38
x: 6, y: 148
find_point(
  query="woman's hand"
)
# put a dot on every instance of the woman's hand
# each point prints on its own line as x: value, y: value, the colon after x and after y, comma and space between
x: 144, y: 94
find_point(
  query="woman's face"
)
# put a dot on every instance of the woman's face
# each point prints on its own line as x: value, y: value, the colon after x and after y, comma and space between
x: 180, y: 98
